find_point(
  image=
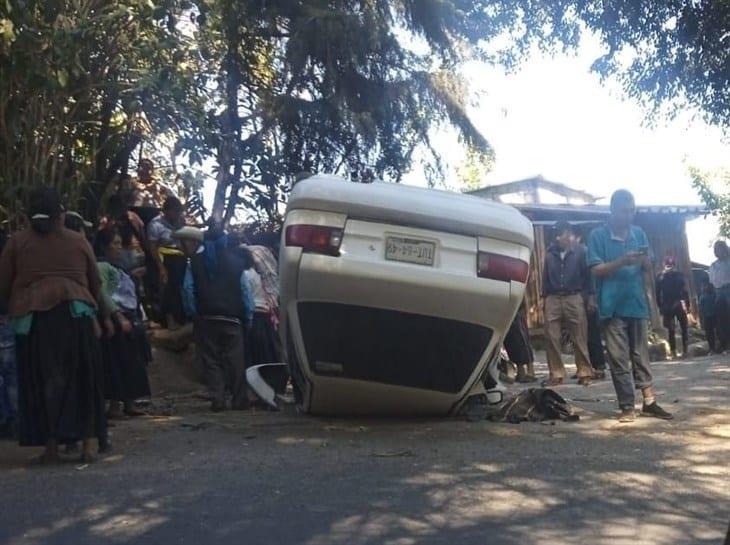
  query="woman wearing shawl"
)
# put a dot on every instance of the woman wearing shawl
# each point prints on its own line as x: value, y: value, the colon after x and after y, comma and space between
x: 263, y: 344
x: 125, y: 345
x: 50, y: 285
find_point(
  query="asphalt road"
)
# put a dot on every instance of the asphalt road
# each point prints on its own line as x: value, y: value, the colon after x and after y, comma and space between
x: 192, y: 477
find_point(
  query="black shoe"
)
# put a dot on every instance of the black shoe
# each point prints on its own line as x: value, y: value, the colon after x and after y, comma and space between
x: 655, y: 411
x: 242, y: 405
x: 105, y: 445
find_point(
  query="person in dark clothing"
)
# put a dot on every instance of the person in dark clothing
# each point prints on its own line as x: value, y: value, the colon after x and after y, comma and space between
x: 217, y: 296
x: 50, y: 286
x: 566, y: 286
x: 8, y: 373
x: 672, y: 300
x: 708, y: 315
x: 518, y: 347
x: 595, y: 345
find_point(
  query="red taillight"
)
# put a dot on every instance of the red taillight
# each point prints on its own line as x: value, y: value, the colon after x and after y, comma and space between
x: 503, y: 268
x: 315, y: 238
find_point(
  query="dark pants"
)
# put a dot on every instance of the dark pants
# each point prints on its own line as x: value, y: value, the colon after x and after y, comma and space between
x: 172, y: 304
x: 595, y: 344
x: 221, y: 351
x: 710, y: 325
x: 628, y: 357
x: 671, y: 316
x: 263, y: 346
x: 517, y: 341
x: 722, y: 315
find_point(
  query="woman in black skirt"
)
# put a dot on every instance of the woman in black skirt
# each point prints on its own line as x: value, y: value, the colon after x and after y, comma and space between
x: 50, y: 285
x: 125, y: 347
x: 262, y: 340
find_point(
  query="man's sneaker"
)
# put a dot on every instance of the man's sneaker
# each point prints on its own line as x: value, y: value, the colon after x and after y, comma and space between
x: 599, y: 374
x: 627, y: 416
x: 656, y: 411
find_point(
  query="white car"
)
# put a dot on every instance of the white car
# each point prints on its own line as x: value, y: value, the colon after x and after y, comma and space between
x: 395, y: 299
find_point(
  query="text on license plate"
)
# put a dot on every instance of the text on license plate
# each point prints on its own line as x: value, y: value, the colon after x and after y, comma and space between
x: 408, y: 250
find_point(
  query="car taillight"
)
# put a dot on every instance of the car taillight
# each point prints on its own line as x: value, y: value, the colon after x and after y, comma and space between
x: 503, y: 268
x: 315, y: 238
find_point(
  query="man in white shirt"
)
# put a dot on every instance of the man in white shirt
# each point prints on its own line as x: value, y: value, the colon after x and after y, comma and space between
x: 720, y: 278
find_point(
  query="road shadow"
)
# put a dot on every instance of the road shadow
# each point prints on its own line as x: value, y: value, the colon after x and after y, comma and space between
x: 282, y: 479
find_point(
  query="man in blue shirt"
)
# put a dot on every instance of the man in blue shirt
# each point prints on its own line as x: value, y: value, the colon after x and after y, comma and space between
x: 618, y: 257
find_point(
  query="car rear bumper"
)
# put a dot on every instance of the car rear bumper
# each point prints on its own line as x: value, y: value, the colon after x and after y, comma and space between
x: 389, y: 338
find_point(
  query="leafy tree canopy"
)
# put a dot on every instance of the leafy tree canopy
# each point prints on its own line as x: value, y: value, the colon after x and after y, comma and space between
x: 714, y: 189
x: 267, y: 89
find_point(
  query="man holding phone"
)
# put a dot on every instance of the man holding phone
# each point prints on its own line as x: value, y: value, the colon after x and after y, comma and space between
x: 618, y: 255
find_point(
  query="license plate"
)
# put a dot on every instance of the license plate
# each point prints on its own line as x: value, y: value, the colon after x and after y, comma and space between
x: 409, y: 250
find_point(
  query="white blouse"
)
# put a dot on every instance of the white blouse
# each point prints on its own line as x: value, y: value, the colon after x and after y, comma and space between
x: 257, y: 290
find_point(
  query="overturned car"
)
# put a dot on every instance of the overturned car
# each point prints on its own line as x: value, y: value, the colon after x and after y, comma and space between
x: 395, y: 299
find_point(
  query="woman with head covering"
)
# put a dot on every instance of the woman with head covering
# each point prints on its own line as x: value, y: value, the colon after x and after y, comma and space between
x: 125, y: 346
x: 262, y: 343
x: 266, y: 266
x: 50, y: 285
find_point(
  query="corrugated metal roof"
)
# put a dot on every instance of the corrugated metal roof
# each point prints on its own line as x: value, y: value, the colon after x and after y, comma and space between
x: 604, y: 210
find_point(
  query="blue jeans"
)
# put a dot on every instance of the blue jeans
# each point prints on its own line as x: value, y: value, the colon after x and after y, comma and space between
x: 8, y: 379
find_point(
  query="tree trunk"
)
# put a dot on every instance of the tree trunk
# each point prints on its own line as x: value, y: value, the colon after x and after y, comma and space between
x: 229, y: 170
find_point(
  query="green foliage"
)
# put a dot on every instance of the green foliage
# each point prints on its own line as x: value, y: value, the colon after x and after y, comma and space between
x: 329, y: 86
x: 267, y: 89
x: 474, y: 169
x: 82, y: 84
x: 714, y: 189
x: 668, y: 54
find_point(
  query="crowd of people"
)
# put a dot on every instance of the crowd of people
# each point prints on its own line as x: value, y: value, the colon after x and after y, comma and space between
x: 594, y: 296
x: 76, y: 302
